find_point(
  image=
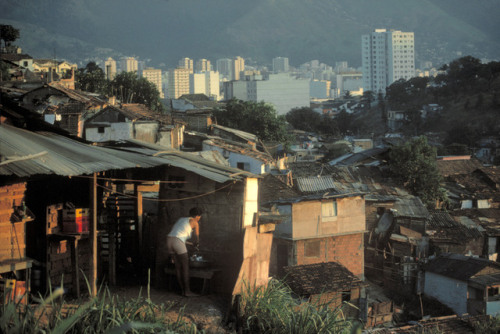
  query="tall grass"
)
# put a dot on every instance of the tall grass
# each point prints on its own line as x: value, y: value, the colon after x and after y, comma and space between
x: 272, y: 309
x: 105, y: 313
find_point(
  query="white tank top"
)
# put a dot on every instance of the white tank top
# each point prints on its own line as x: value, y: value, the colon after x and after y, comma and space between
x: 182, y: 229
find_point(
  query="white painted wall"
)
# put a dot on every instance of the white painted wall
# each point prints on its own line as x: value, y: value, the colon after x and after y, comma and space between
x: 113, y: 131
x: 255, y: 166
x: 448, y: 291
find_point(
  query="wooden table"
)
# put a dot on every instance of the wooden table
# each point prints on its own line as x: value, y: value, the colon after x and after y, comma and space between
x: 204, y: 273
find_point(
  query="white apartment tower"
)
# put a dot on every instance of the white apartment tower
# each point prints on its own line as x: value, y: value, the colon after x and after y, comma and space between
x: 110, y: 68
x: 387, y: 56
x: 186, y: 63
x: 178, y: 82
x: 129, y: 64
x: 280, y: 65
x: 205, y: 83
x: 203, y: 65
x: 154, y: 76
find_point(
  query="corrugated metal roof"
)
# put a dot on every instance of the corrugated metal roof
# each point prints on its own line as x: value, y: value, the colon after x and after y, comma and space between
x: 313, y: 184
x: 410, y: 206
x: 24, y: 153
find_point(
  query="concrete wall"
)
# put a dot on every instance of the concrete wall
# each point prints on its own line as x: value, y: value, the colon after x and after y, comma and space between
x: 146, y: 131
x: 448, y: 291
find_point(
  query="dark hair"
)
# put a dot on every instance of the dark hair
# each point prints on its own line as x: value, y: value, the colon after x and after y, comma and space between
x: 195, y: 212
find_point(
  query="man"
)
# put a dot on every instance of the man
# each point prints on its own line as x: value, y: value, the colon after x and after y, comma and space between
x: 176, y: 245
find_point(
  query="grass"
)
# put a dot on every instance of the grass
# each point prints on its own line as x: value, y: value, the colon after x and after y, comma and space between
x: 264, y: 309
x: 273, y: 309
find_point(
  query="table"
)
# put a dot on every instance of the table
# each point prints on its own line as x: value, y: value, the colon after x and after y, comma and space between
x: 204, y: 273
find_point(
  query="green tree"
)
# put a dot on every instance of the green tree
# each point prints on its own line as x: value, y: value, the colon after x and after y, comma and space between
x: 91, y: 79
x: 129, y: 88
x: 368, y: 97
x: 304, y: 119
x: 414, y: 165
x: 258, y: 118
x: 8, y: 34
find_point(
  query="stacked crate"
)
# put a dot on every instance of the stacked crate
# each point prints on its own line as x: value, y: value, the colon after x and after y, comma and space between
x: 76, y: 220
x: 59, y: 264
x: 12, y: 222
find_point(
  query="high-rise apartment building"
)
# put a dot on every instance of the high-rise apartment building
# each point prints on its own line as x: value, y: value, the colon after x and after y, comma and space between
x: 387, y: 56
x: 224, y: 67
x: 154, y: 76
x: 205, y: 83
x: 110, y: 68
x: 203, y: 65
x: 178, y: 82
x: 280, y: 65
x: 238, y: 67
x: 186, y: 63
x: 129, y: 64
x: 282, y: 90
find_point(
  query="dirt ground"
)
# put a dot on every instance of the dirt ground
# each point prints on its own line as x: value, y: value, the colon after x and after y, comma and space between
x: 207, y: 312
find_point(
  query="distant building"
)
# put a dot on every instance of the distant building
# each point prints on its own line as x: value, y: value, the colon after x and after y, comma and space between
x: 129, y: 64
x: 205, y: 83
x: 154, y: 76
x: 320, y: 89
x: 280, y: 65
x: 178, y: 82
x: 224, y: 67
x: 203, y: 65
x: 387, y: 56
x: 282, y: 90
x: 110, y: 68
x: 186, y: 63
x: 238, y: 67
x: 350, y: 81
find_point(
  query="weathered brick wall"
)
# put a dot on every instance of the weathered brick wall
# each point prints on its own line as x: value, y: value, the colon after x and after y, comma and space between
x: 345, y: 249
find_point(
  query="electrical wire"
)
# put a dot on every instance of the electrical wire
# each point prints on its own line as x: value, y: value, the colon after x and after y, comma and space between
x: 165, y: 200
x: 129, y: 180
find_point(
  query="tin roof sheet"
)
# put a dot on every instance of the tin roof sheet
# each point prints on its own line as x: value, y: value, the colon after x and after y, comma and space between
x: 24, y: 153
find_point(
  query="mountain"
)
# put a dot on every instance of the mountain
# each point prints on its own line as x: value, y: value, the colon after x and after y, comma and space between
x: 164, y: 31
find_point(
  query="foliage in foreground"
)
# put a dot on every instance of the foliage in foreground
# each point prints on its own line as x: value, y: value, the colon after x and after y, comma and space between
x: 272, y: 309
x: 105, y: 313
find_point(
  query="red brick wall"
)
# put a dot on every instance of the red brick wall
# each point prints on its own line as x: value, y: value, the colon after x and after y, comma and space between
x: 345, y: 249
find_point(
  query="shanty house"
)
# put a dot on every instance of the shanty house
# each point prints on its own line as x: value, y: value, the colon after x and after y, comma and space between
x: 242, y: 156
x: 59, y: 170
x: 465, y: 284
x: 132, y: 121
x: 326, y: 282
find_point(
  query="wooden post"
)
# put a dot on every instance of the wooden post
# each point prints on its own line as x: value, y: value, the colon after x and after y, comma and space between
x: 93, y: 235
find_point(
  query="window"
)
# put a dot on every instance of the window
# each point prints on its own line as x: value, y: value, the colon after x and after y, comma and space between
x: 329, y: 211
x: 100, y: 129
x: 346, y: 296
x: 312, y: 248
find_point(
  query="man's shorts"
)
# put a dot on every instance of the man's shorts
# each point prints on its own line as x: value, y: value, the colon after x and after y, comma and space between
x: 176, y: 246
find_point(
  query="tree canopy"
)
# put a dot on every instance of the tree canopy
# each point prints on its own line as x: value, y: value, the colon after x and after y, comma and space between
x: 8, y: 34
x: 414, y: 164
x: 304, y: 119
x: 258, y: 118
x: 129, y: 88
x: 91, y: 79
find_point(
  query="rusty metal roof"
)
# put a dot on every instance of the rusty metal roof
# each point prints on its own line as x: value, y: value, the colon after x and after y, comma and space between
x: 313, y: 279
x: 442, y: 227
x: 459, y: 166
x: 24, y: 153
x: 461, y: 267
